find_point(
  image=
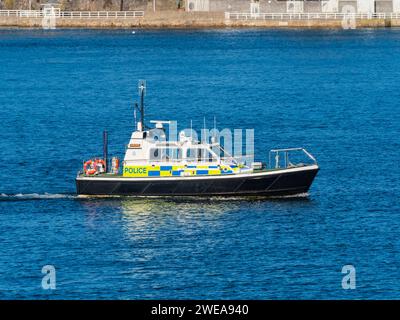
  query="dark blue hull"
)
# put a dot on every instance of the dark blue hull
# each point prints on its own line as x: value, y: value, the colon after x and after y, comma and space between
x: 282, y: 182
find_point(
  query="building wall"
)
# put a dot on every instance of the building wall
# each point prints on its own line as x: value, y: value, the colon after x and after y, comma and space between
x: 275, y: 6
x: 312, y: 6
x: 365, y: 6
x: 198, y: 5
x: 343, y: 4
x: 384, y: 6
x: 231, y: 5
x: 396, y: 6
x: 330, y: 6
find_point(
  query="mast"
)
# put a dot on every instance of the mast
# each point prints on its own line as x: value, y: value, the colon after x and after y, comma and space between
x: 142, y: 92
x: 105, y: 149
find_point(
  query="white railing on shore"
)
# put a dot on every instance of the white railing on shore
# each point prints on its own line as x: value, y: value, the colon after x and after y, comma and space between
x: 228, y: 15
x: 73, y: 14
x: 308, y: 16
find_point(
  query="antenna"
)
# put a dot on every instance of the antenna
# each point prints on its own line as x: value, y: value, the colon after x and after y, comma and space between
x: 142, y: 92
x: 191, y: 129
x: 134, y: 112
x: 213, y: 136
x: 214, y: 132
x: 204, y: 130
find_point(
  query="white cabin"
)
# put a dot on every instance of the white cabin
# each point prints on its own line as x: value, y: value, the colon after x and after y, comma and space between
x: 150, y: 154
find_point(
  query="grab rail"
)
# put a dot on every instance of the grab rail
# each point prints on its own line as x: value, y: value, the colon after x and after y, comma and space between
x: 276, y: 154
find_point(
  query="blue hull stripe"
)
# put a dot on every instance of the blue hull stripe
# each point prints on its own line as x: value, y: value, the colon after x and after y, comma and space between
x: 165, y: 168
x: 228, y: 171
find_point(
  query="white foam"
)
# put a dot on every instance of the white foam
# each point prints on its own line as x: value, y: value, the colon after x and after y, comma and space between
x: 34, y: 196
x: 298, y: 195
x: 38, y: 196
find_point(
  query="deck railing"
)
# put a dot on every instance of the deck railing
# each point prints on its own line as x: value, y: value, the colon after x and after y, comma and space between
x: 308, y: 16
x: 73, y: 14
x: 283, y: 158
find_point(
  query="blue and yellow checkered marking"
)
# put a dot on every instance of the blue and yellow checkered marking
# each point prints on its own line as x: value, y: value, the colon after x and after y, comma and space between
x: 165, y: 168
x: 176, y: 171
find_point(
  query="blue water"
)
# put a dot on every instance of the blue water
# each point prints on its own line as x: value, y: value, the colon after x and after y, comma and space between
x: 334, y: 92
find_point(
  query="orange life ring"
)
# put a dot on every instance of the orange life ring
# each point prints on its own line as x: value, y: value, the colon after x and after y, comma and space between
x: 89, y: 167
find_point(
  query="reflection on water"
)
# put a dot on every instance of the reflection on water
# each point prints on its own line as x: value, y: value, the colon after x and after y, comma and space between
x: 147, y: 217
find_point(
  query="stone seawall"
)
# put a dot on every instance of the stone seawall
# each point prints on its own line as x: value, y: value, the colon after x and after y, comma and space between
x: 177, y: 19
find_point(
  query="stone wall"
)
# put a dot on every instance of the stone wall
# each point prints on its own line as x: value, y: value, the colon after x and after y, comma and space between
x: 170, y: 19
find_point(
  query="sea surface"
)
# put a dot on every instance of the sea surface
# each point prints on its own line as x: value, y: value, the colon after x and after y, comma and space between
x: 334, y: 92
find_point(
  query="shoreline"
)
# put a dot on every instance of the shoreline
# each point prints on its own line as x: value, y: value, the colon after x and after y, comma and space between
x: 166, y: 26
x: 198, y: 20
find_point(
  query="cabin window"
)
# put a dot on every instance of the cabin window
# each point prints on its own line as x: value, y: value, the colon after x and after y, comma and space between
x: 155, y: 154
x: 173, y: 154
x: 192, y: 154
x: 200, y: 155
x: 165, y: 154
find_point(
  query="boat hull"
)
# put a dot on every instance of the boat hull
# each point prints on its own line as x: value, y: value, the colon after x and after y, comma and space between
x: 270, y: 183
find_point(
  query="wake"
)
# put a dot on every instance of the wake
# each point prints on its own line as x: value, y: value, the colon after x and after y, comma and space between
x: 51, y: 196
x: 34, y: 196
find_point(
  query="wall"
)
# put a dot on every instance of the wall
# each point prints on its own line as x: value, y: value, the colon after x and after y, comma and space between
x: 171, y: 19
x: 278, y: 6
x: 384, y: 6
x: 330, y: 6
x: 352, y: 3
x: 312, y: 6
x: 232, y: 5
x: 396, y: 6
x: 365, y: 6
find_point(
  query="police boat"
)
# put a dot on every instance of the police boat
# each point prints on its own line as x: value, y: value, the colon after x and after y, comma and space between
x: 156, y: 166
